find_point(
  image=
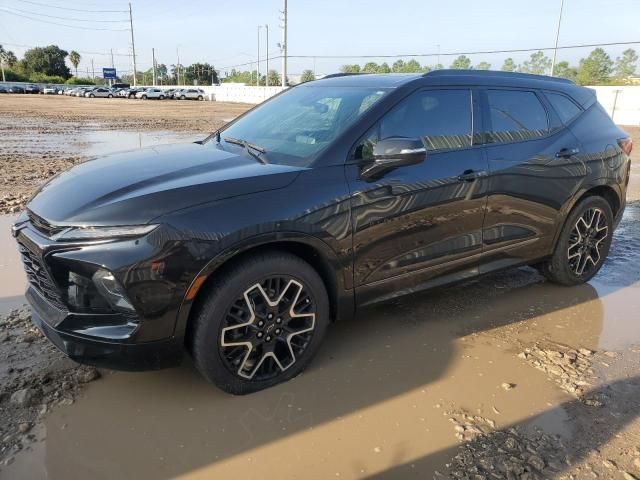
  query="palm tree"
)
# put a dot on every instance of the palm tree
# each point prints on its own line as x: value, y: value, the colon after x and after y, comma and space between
x: 74, y: 58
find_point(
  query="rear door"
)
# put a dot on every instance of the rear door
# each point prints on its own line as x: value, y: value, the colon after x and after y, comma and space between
x: 534, y: 168
x: 423, y: 221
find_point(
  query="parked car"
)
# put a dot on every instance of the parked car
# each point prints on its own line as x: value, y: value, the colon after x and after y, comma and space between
x: 118, y: 86
x: 169, y: 92
x: 50, y: 90
x: 337, y: 194
x: 130, y: 92
x: 16, y: 89
x: 151, y: 93
x: 3, y: 89
x: 31, y: 89
x: 101, y: 92
x: 191, y: 94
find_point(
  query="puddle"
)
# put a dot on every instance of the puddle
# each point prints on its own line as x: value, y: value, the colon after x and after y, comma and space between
x: 94, y: 143
x: 13, y: 283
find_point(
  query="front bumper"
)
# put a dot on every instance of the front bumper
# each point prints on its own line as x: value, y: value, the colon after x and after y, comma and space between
x: 90, y: 351
x: 151, y: 270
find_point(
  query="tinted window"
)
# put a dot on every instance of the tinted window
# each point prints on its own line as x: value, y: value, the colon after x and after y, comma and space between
x: 297, y: 124
x: 564, y: 107
x: 515, y: 116
x: 441, y: 118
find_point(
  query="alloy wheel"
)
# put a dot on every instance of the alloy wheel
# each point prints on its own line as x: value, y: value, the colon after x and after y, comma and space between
x: 586, y: 241
x: 267, y: 329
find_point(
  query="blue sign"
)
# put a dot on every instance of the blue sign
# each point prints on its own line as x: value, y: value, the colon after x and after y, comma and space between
x: 109, y: 73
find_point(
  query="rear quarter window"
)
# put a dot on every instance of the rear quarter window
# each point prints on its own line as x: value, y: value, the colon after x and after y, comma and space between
x: 566, y: 109
x: 515, y: 115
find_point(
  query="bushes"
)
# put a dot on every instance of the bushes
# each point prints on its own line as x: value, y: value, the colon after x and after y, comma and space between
x: 13, y: 76
x: 42, y: 78
x: 79, y: 81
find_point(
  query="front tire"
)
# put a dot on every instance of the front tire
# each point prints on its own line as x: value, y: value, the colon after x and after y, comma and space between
x: 182, y: 97
x: 583, y: 244
x: 200, y: 98
x: 260, y: 323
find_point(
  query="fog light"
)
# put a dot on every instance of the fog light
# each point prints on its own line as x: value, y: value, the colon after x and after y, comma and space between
x: 111, y: 290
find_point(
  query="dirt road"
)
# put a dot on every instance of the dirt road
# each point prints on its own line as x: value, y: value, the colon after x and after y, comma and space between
x: 503, y: 377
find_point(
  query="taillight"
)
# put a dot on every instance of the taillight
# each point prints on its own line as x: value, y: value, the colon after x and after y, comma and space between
x: 626, y: 144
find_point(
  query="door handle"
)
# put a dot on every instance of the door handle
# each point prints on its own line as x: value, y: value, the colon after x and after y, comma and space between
x: 471, y: 175
x: 567, y: 152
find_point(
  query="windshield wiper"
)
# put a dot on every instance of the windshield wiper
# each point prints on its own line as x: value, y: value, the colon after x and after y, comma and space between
x: 250, y: 148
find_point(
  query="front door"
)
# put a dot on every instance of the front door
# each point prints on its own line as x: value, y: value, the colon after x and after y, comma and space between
x: 419, y: 224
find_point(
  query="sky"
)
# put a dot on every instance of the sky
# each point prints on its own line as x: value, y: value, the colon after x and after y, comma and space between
x: 225, y: 32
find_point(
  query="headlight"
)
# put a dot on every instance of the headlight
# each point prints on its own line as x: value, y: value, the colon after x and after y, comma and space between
x: 111, y: 290
x: 101, y: 233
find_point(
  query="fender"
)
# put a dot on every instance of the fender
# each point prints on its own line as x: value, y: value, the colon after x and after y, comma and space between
x: 344, y: 299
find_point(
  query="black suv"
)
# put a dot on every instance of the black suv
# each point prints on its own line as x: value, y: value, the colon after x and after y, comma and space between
x: 335, y: 194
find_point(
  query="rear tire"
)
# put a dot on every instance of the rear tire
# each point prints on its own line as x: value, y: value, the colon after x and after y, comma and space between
x: 244, y: 341
x: 583, y: 244
x: 161, y: 97
x: 182, y: 97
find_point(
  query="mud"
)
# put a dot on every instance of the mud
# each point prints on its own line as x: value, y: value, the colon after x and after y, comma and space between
x: 503, y: 377
x: 44, y: 135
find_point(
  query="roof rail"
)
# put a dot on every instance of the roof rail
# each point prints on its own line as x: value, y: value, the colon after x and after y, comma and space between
x: 334, y: 75
x: 495, y: 74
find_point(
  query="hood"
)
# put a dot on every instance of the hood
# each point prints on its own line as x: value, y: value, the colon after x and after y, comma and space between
x: 135, y: 187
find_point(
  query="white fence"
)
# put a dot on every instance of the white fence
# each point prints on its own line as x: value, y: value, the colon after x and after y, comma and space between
x: 622, y: 103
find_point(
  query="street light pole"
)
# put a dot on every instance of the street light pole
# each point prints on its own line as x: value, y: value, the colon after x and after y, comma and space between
x: 284, y: 43
x: 266, y: 77
x: 555, y: 50
x: 258, y: 62
x: 133, y: 45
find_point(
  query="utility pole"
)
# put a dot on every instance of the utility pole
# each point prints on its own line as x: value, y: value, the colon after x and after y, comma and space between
x: 2, y: 66
x: 133, y: 46
x: 178, y: 67
x: 258, y: 62
x: 283, y: 45
x: 112, y: 66
x: 266, y: 77
x: 555, y: 50
x: 93, y: 70
x: 153, y: 59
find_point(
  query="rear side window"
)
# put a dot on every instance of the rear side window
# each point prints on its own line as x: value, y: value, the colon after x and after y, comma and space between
x: 515, y: 116
x: 564, y: 107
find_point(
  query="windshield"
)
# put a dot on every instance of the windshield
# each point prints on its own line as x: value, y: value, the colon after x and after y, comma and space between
x: 298, y: 124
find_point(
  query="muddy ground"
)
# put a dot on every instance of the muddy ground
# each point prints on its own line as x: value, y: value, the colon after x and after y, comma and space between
x: 56, y: 132
x: 505, y: 377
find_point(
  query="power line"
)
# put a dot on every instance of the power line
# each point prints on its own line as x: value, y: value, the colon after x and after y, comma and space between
x: 68, y: 18
x: 79, y: 51
x: 71, y: 9
x: 64, y: 24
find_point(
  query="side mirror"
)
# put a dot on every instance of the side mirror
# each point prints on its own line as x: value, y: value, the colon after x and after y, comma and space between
x: 392, y: 153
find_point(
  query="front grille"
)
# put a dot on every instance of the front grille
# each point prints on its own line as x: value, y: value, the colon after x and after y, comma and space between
x: 37, y: 273
x: 42, y: 226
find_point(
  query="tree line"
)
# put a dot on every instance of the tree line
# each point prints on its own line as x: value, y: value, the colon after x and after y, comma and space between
x: 598, y: 68
x: 49, y: 65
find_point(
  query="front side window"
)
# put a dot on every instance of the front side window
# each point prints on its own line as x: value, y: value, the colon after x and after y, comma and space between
x: 299, y: 123
x: 442, y: 119
x: 564, y: 107
x: 515, y: 116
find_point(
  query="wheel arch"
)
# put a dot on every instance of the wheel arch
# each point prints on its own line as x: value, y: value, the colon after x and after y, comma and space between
x: 310, y: 249
x: 598, y: 189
